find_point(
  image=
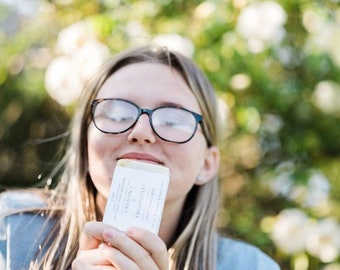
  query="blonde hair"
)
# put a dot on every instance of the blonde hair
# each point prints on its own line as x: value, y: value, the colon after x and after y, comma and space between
x: 73, y: 199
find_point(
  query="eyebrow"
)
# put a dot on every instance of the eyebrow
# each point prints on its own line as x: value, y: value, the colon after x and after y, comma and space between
x: 172, y: 104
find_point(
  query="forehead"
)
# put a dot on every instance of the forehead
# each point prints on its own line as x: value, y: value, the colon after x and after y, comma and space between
x: 149, y: 84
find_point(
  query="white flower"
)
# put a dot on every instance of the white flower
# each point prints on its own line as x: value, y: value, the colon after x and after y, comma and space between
x: 177, y: 43
x: 291, y: 230
x: 318, y: 190
x: 73, y: 37
x: 333, y: 44
x: 240, y: 82
x: 326, y: 97
x: 312, y: 21
x: 137, y: 33
x: 62, y: 81
x: 81, y: 55
x: 326, y: 36
x: 262, y: 24
x: 313, y: 192
x: 324, y: 241
x: 282, y: 184
x: 204, y: 10
x: 272, y: 123
x: 89, y: 57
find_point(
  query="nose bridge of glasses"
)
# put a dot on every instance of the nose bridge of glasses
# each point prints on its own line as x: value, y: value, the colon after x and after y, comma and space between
x: 142, y: 127
x: 142, y: 111
x: 148, y: 112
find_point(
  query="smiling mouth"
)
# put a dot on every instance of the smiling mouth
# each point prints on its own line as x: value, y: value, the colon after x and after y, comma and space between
x: 141, y: 157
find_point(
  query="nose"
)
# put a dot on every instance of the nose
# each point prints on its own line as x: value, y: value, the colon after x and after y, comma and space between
x: 142, y: 132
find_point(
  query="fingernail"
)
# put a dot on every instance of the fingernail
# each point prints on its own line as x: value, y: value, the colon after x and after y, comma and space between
x: 131, y: 231
x: 108, y: 233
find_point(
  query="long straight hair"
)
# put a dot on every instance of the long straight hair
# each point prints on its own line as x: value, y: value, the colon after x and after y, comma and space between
x: 72, y: 201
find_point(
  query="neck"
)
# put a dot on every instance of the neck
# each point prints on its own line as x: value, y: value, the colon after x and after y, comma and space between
x: 170, y: 219
x: 100, y: 206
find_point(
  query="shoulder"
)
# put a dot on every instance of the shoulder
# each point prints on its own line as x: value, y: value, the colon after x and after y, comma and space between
x: 19, y: 209
x: 237, y: 255
x: 19, y: 212
x: 21, y: 200
x: 21, y: 225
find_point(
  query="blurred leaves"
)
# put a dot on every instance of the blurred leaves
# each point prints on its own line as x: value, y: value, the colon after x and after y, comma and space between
x: 280, y: 84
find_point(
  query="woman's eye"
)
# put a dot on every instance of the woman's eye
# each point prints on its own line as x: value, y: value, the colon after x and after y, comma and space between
x: 121, y: 118
x: 170, y: 122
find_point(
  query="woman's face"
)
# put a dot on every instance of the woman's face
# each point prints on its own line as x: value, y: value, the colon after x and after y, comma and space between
x: 150, y: 85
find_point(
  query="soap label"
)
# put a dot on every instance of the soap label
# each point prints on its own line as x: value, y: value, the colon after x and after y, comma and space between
x: 137, y: 195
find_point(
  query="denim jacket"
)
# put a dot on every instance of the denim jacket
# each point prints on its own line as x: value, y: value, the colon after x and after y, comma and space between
x: 20, y: 238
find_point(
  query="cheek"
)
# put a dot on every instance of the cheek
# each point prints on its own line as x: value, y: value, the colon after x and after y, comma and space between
x: 186, y: 166
x: 100, y: 161
x: 96, y: 147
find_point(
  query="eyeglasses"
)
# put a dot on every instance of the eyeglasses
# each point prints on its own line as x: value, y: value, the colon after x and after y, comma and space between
x: 169, y: 123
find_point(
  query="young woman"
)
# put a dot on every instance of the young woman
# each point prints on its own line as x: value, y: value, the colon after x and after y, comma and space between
x: 147, y: 104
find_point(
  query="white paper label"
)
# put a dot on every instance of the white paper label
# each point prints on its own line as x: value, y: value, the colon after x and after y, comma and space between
x: 137, y: 196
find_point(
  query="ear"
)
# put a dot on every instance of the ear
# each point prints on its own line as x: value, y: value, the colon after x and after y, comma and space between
x: 210, y: 166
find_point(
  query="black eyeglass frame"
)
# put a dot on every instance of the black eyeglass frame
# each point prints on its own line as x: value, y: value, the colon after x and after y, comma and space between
x: 149, y: 112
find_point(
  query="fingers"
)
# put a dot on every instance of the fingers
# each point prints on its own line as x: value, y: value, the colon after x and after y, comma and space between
x: 156, y: 248
x: 93, y: 257
x: 131, y: 253
x: 117, y: 259
x: 103, y: 245
x: 89, y: 256
x: 91, y: 235
x: 87, y: 259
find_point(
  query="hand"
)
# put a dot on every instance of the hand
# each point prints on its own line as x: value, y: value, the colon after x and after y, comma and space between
x: 101, y: 246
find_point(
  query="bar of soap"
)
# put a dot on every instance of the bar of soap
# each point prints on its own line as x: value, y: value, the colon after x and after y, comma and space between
x: 137, y: 195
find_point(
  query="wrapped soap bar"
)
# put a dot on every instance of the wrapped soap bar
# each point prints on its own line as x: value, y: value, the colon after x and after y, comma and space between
x: 137, y: 195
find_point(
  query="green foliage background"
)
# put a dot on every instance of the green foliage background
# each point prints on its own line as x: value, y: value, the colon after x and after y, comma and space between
x: 309, y: 138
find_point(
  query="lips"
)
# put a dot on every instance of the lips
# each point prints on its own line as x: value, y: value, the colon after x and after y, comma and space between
x: 141, y: 157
